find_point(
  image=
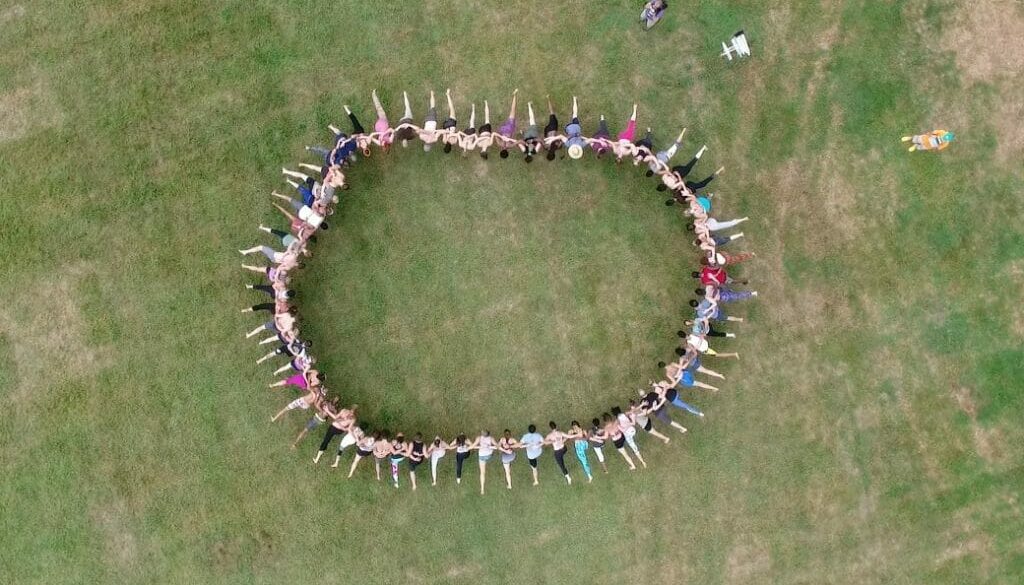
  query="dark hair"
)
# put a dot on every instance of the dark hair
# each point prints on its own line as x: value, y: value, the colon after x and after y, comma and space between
x: 461, y: 439
x: 632, y: 402
x: 616, y: 410
x: 400, y: 437
x: 447, y: 148
x: 532, y: 428
x: 680, y: 351
x: 289, y: 294
x: 503, y: 153
x: 699, y: 292
x: 662, y: 187
x: 312, y: 239
x: 694, y: 303
x: 574, y: 423
x: 376, y: 435
x: 310, y: 182
x: 508, y: 432
x: 552, y: 424
x: 690, y: 227
x: 661, y: 364
x: 483, y: 155
x: 529, y: 158
x: 606, y: 416
x: 649, y: 173
x: 695, y: 274
x: 596, y: 422
x: 418, y: 438
x: 551, y: 154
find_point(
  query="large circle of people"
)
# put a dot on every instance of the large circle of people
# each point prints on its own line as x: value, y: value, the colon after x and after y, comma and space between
x: 315, y: 196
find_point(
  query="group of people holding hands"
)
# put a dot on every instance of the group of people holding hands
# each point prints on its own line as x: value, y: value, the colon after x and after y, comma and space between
x: 316, y: 194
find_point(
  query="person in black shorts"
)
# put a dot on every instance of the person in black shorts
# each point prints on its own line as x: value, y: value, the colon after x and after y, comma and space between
x: 416, y: 456
x: 449, y: 135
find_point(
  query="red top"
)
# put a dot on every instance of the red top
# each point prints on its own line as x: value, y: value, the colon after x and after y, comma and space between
x: 713, y: 275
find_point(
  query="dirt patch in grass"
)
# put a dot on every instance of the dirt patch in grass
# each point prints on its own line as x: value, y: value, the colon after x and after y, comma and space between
x: 11, y: 13
x: 989, y: 442
x: 119, y: 542
x: 986, y: 38
x: 748, y: 562
x: 52, y: 342
x: 27, y: 109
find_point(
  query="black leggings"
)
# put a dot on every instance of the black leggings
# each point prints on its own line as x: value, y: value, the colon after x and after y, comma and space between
x: 560, y: 460
x: 357, y: 128
x: 278, y: 233
x: 699, y: 184
x: 684, y: 170
x: 268, y: 307
x: 265, y: 288
x: 459, y: 458
x: 552, y: 125
x: 331, y: 431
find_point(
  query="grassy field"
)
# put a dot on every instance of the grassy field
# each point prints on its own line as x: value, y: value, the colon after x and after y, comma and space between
x: 870, y: 434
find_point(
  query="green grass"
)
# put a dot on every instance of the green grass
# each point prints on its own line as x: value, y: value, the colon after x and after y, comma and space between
x: 869, y: 434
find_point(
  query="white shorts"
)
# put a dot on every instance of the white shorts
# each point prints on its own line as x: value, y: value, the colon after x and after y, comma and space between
x: 347, y: 441
x: 599, y: 451
x: 298, y: 403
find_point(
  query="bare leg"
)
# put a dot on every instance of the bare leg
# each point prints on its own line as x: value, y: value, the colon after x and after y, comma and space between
x: 355, y: 462
x: 575, y: 108
x: 432, y: 101
x: 551, y: 107
x: 736, y: 236
x: 483, y: 475
x: 266, y: 357
x: 508, y: 471
x: 472, y: 116
x: 316, y: 458
x: 534, y: 470
x: 279, y: 414
x: 376, y: 463
x: 412, y: 478
x: 512, y: 108
x: 654, y: 432
x: 632, y: 117
x: 252, y: 250
x: 294, y: 174
x: 255, y: 331
x: 408, y: 108
x: 639, y: 457
x: 258, y: 269
x: 678, y: 426
x: 284, y: 211
x: 268, y: 340
x: 700, y: 384
x: 529, y: 108
x: 629, y: 461
x: 279, y: 196
x: 451, y: 105
x: 711, y: 373
x: 302, y: 434
x: 292, y: 183
x: 378, y: 107
x: 731, y: 318
x: 310, y: 167
x: 282, y: 369
x: 487, y: 113
x: 728, y: 355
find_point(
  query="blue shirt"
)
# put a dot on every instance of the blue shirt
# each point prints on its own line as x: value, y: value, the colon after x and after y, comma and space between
x: 533, y: 443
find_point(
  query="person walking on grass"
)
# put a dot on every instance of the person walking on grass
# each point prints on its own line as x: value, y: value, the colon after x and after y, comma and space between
x: 320, y: 416
x: 507, y: 445
x: 364, y: 448
x: 436, y: 451
x: 643, y: 420
x: 485, y: 446
x: 652, y: 13
x: 533, y: 442
x: 304, y: 402
x: 341, y: 423
x: 417, y: 453
x: 618, y: 438
x: 627, y: 422
x: 507, y: 130
x: 428, y: 134
x: 598, y: 437
x: 556, y: 439
x: 580, y: 444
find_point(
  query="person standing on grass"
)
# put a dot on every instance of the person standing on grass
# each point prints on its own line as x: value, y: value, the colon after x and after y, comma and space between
x: 467, y: 139
x: 556, y: 439
x: 627, y: 423
x: 698, y: 185
x: 341, y: 423
x: 417, y: 453
x: 399, y: 451
x: 640, y: 414
x: 575, y: 143
x: 364, y: 448
x: 507, y: 130
x: 655, y: 402
x: 533, y: 442
x: 552, y: 142
x: 624, y: 146
x: 485, y: 446
x: 449, y: 133
x: 598, y: 437
x: 601, y: 141
x: 618, y: 438
x: 320, y: 416
x: 428, y: 134
x: 652, y: 13
x: 485, y: 138
x: 661, y: 159
x: 678, y: 375
x: 462, y: 448
x: 531, y: 136
x: 302, y: 402
x: 436, y: 451
x: 580, y: 444
x: 405, y: 130
x: 381, y: 127
x: 381, y: 451
x: 507, y: 445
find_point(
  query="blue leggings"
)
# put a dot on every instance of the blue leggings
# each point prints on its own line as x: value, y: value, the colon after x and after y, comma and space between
x: 678, y: 402
x: 581, y: 454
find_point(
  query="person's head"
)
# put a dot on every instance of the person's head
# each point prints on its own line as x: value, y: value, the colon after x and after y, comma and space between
x: 437, y: 441
x: 616, y: 410
x: 355, y: 407
x: 485, y: 433
x: 694, y: 303
x: 461, y: 439
x: 377, y: 435
x: 690, y: 227
x: 948, y: 136
x: 532, y: 428
x: 503, y: 153
x: 418, y: 438
x: 385, y: 434
x: 661, y: 365
x: 552, y: 425
x: 695, y: 274
x: 508, y: 434
x: 399, y: 438
x: 529, y: 158
x: 680, y: 351
x: 632, y: 402
x: 310, y: 182
x: 551, y: 154
x: 575, y: 425
x: 699, y: 292
x: 596, y: 422
x: 575, y: 152
x: 484, y: 155
x: 606, y: 417
x: 447, y: 147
